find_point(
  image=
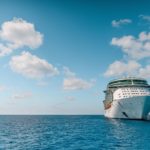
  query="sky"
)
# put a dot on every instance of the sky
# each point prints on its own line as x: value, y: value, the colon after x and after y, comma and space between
x: 56, y: 57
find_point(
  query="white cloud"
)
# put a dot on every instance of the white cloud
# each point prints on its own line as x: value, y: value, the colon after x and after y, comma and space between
x: 76, y: 84
x: 24, y: 95
x: 18, y: 33
x: 71, y: 82
x: 119, y: 68
x: 68, y: 73
x: 145, y: 17
x: 135, y: 48
x: 145, y: 72
x: 32, y: 66
x: 4, y: 50
x: 120, y: 22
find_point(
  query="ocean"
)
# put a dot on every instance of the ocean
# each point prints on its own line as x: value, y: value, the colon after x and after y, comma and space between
x: 73, y: 132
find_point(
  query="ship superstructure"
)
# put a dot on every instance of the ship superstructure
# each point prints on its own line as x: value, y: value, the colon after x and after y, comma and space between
x: 127, y: 98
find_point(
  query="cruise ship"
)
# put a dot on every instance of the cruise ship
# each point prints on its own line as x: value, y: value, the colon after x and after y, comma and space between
x: 127, y: 98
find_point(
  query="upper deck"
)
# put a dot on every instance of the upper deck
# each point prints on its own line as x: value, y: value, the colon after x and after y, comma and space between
x: 128, y: 82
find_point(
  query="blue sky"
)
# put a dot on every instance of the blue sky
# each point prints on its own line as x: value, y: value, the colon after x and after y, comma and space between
x: 56, y: 57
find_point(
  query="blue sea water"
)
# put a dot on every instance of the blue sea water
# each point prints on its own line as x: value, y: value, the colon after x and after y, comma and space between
x: 73, y: 133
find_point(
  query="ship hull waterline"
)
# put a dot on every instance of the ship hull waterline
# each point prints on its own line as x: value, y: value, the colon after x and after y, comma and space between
x: 130, y: 108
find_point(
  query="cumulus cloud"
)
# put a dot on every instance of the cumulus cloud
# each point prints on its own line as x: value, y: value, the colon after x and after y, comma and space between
x: 5, y: 49
x: 135, y: 48
x: 71, y: 82
x: 119, y: 68
x: 145, y: 72
x: 68, y: 73
x: 24, y: 95
x: 76, y: 84
x: 32, y: 66
x: 18, y: 33
x: 120, y: 22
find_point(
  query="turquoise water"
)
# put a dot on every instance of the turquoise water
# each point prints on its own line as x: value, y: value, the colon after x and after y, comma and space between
x: 72, y: 133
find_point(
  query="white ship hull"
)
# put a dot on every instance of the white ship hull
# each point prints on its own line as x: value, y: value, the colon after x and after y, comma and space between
x: 130, y: 108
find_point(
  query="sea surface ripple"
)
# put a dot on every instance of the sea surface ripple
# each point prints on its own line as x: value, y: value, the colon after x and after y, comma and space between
x: 52, y: 132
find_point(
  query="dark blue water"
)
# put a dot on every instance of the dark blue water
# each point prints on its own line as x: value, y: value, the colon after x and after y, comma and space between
x: 72, y: 133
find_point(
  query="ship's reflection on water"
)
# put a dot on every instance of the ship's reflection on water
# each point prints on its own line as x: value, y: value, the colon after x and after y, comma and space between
x: 127, y: 134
